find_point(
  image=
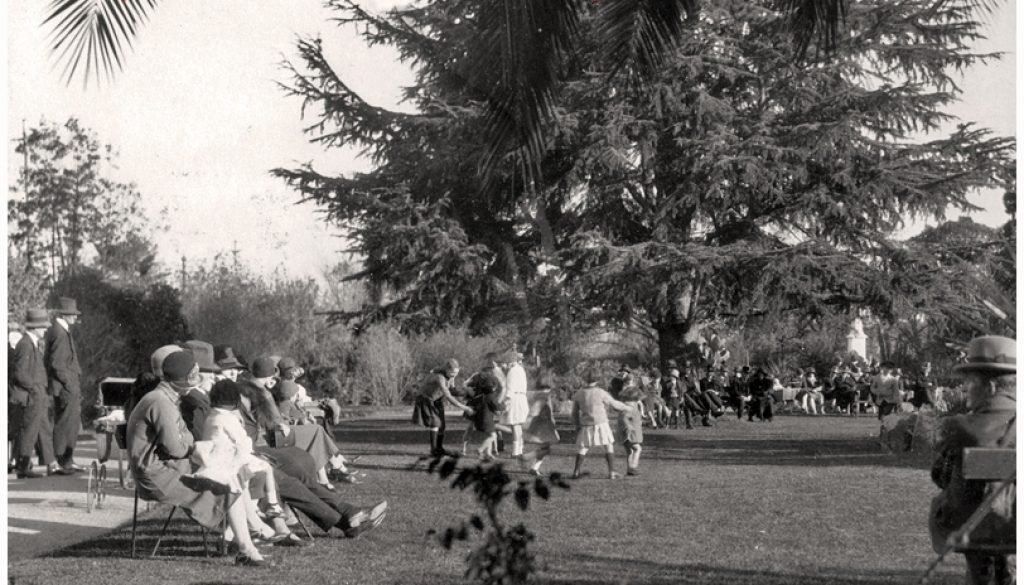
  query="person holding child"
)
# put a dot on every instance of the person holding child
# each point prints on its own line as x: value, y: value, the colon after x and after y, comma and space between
x: 232, y: 464
x: 590, y: 417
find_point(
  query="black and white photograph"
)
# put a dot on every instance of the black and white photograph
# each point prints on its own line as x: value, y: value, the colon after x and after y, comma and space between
x: 509, y: 292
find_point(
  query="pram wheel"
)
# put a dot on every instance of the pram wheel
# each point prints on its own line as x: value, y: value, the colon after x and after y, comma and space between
x: 96, y: 486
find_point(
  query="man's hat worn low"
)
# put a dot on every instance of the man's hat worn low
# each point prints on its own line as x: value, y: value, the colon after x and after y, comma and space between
x: 178, y: 366
x: 264, y: 367
x: 67, y: 306
x: 36, y: 319
x: 287, y: 363
x: 226, y: 358
x: 990, y: 353
x: 203, y: 352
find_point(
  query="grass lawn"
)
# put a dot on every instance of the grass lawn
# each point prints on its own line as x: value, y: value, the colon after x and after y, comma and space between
x: 802, y: 500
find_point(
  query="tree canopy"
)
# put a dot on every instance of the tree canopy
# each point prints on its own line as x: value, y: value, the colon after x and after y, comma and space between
x: 734, y: 182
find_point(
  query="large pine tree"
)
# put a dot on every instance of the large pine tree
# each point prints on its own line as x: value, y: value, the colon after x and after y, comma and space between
x: 736, y: 181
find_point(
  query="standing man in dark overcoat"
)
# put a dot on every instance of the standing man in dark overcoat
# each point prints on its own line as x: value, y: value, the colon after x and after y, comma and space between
x: 29, y: 400
x: 65, y: 373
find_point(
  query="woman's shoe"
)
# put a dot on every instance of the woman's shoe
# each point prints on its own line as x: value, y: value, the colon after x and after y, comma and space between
x: 243, y: 560
x: 292, y: 539
x: 274, y: 511
x: 328, y: 486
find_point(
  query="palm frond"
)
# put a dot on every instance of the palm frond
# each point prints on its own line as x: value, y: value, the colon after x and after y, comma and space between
x: 812, y: 20
x: 513, y: 59
x: 639, y: 33
x: 93, y: 36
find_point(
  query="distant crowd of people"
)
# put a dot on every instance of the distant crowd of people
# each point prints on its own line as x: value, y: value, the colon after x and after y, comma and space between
x: 684, y: 396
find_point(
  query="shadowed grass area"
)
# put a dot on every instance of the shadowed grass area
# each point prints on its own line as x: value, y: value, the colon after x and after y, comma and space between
x: 803, y: 500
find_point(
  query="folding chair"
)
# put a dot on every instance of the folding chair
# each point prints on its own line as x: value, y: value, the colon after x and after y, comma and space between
x: 135, y: 516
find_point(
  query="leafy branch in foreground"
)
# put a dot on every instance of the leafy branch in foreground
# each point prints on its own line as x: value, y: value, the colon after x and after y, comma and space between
x: 503, y: 557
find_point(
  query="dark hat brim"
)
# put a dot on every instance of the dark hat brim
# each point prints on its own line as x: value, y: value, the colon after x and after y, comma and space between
x: 67, y: 312
x: 214, y: 369
x: 231, y: 364
x: 986, y: 367
x: 36, y: 325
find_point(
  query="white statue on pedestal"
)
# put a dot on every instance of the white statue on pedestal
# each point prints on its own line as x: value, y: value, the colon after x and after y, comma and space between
x: 856, y: 339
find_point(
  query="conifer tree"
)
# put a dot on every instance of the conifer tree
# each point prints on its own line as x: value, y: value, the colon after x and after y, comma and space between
x: 735, y: 182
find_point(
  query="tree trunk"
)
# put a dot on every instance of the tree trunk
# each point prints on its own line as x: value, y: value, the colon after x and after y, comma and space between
x: 674, y: 340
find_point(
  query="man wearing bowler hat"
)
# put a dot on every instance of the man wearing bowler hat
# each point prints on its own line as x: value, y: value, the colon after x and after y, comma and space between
x: 29, y: 401
x: 64, y: 371
x: 990, y: 380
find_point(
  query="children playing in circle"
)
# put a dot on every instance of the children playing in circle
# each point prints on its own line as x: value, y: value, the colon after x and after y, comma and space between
x: 590, y: 417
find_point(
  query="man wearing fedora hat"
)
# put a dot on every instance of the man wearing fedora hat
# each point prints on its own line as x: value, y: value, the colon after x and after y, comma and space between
x: 29, y: 399
x: 990, y: 380
x: 64, y: 371
x: 195, y: 403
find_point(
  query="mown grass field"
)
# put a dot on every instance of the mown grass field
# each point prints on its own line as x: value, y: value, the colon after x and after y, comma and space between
x: 799, y: 501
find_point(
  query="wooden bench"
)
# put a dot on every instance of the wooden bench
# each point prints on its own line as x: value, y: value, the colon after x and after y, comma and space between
x: 984, y: 464
x: 991, y: 464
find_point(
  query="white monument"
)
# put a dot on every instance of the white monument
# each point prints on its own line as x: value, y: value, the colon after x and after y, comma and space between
x: 857, y: 340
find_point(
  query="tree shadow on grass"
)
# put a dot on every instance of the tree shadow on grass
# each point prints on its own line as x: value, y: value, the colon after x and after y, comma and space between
x: 784, y: 452
x: 583, y: 569
x: 184, y: 538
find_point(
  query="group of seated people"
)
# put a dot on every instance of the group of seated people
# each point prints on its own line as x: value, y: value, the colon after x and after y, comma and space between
x: 216, y: 438
x: 687, y: 394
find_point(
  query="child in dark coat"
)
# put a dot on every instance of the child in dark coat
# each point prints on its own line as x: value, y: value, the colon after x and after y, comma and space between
x: 485, y: 404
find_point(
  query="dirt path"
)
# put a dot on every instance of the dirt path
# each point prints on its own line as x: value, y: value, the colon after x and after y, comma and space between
x: 49, y: 513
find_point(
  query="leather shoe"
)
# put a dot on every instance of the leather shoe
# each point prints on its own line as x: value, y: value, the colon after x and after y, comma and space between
x: 29, y: 474
x: 73, y: 467
x: 293, y: 540
x: 56, y: 470
x: 368, y: 520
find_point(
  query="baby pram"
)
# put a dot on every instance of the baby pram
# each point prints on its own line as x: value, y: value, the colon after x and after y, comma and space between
x: 112, y: 394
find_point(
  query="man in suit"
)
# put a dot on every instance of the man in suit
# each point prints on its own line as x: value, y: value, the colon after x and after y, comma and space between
x: 29, y: 400
x: 990, y: 379
x: 65, y: 373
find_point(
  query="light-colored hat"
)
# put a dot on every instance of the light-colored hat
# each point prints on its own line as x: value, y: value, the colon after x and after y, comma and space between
x: 156, y: 361
x: 990, y: 353
x: 36, y: 319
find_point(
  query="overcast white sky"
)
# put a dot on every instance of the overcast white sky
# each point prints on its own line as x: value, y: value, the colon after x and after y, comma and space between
x: 198, y: 121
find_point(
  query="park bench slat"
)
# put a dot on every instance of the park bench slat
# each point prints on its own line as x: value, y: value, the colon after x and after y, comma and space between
x: 988, y: 463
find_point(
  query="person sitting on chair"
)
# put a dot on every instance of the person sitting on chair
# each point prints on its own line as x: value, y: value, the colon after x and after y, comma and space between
x: 160, y: 445
x: 990, y: 379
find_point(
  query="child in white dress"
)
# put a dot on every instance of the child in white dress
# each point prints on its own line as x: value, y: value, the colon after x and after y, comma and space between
x: 231, y: 461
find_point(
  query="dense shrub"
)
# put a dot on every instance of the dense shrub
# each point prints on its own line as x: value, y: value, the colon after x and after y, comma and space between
x: 26, y: 288
x: 120, y: 326
x: 383, y: 369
